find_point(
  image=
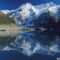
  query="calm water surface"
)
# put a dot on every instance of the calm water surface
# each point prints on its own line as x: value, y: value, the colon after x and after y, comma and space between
x: 28, y: 45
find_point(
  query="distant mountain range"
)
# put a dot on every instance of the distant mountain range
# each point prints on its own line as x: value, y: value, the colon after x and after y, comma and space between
x: 27, y: 15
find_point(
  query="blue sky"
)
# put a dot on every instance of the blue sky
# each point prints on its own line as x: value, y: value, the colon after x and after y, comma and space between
x: 13, y: 4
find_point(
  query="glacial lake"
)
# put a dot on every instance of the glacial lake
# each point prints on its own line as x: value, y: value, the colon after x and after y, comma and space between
x: 18, y: 45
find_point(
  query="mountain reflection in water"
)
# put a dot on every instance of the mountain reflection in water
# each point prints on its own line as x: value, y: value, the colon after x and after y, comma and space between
x: 28, y: 43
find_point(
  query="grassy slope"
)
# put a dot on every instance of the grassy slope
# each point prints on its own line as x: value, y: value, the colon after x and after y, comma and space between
x: 5, y: 19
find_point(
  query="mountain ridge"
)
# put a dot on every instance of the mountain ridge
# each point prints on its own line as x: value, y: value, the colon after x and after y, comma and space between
x: 28, y: 12
x: 5, y: 19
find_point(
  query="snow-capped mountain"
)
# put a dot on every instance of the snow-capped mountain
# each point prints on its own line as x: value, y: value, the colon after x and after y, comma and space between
x: 45, y: 16
x: 5, y: 11
x: 28, y: 12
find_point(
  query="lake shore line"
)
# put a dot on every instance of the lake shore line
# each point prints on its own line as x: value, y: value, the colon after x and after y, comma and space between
x: 14, y: 28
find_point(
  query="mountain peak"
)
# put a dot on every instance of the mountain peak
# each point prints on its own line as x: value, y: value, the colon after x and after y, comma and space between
x: 6, y: 11
x: 28, y: 12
